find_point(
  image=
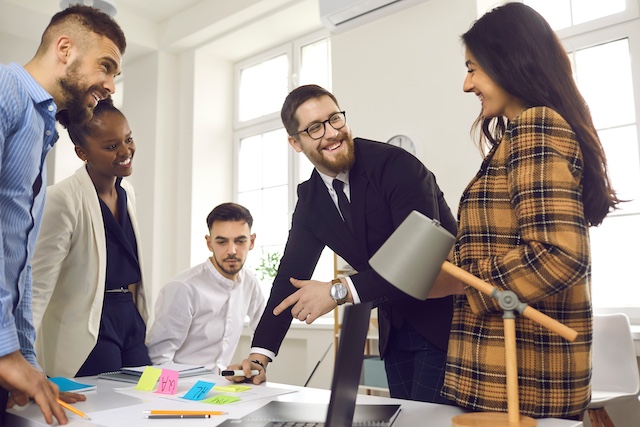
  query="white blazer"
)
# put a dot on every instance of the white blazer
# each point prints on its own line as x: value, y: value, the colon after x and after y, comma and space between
x: 69, y: 271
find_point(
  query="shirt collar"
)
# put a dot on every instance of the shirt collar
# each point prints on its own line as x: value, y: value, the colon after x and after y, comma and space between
x: 342, y: 176
x: 35, y: 89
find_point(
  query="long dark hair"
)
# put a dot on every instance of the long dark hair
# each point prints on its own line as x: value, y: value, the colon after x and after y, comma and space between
x: 519, y: 51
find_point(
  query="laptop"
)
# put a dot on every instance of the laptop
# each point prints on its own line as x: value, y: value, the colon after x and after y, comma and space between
x: 342, y: 409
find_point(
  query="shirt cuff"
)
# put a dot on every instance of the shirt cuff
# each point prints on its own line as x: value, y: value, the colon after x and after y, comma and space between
x: 8, y: 341
x: 352, y: 288
x: 270, y: 354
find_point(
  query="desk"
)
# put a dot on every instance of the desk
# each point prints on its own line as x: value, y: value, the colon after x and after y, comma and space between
x: 412, y: 413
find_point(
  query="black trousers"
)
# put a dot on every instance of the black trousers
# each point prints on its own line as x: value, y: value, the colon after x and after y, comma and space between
x: 414, y: 366
x: 120, y: 340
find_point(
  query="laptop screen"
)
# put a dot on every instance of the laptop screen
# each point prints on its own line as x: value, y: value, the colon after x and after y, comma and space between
x: 346, y: 373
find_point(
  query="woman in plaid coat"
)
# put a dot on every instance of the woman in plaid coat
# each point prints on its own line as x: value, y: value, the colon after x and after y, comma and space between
x: 524, y: 218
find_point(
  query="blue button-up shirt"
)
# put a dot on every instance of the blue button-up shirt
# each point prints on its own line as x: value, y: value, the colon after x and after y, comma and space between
x: 27, y: 134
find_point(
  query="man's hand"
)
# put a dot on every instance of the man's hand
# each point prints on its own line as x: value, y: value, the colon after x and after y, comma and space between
x: 309, y: 302
x: 24, y: 382
x: 68, y: 397
x: 247, y: 365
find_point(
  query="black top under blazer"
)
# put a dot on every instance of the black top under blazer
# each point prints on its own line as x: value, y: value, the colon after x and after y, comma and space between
x: 386, y: 184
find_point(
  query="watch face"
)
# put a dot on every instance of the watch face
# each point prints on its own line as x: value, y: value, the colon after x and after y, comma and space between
x: 338, y: 291
x: 403, y: 141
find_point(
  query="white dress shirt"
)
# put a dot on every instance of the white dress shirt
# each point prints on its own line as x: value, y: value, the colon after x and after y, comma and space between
x: 199, y: 316
x: 328, y: 181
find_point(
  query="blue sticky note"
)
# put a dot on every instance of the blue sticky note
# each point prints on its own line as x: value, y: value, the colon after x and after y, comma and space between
x: 199, y: 390
x: 65, y: 384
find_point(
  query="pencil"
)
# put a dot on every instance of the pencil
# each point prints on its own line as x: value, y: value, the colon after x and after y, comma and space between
x: 178, y: 412
x: 72, y: 409
x: 176, y: 416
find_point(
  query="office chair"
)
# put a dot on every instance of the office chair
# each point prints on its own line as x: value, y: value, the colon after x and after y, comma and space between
x: 615, y: 369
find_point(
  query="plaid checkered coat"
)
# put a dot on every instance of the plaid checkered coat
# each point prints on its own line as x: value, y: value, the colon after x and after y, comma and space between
x: 522, y: 228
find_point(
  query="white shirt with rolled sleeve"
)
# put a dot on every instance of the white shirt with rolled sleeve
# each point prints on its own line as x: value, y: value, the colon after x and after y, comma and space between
x: 199, y: 316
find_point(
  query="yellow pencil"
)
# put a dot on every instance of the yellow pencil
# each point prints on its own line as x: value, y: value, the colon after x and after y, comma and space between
x: 170, y: 412
x: 72, y: 409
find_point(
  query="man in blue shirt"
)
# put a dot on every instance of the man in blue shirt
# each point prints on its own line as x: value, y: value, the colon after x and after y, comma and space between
x: 75, y: 66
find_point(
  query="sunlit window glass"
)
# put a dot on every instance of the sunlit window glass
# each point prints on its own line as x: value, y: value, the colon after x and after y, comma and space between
x: 589, y: 10
x: 611, y: 104
x: 315, y: 64
x: 621, y: 146
x: 265, y: 182
x: 613, y: 246
x: 263, y: 87
x: 263, y: 161
x: 565, y: 13
x: 556, y: 12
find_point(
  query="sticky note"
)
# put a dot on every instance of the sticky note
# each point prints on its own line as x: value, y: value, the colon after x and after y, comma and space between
x: 221, y: 399
x: 65, y: 384
x: 233, y: 388
x: 149, y: 378
x: 168, y: 382
x: 199, y: 390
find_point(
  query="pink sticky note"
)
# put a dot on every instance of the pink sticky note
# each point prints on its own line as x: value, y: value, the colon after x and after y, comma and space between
x: 168, y: 382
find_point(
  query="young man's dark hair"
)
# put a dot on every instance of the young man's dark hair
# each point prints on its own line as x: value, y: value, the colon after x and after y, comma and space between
x: 229, y: 212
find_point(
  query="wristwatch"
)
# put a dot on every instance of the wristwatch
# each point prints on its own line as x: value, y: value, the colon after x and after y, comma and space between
x: 338, y: 291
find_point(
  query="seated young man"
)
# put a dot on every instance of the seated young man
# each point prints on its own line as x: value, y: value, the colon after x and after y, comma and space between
x: 200, y: 313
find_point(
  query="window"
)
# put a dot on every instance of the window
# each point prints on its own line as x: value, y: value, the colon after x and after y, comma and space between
x: 603, y: 41
x: 267, y: 169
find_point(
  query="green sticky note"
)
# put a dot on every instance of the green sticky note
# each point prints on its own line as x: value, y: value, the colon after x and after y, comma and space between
x: 221, y: 399
x: 233, y: 388
x: 149, y: 378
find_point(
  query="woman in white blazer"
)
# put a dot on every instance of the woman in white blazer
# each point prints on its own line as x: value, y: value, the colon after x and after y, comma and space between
x: 89, y: 303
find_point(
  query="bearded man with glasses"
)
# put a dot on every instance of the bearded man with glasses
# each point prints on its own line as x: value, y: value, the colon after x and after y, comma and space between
x: 358, y: 194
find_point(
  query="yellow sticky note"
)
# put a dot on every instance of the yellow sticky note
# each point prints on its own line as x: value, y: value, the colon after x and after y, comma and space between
x: 221, y: 399
x: 149, y: 378
x: 233, y: 388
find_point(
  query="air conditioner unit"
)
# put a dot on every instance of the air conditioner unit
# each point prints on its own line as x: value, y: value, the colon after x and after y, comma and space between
x: 342, y: 15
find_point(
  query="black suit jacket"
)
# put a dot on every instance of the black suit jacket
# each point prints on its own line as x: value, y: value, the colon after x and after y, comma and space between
x: 386, y: 184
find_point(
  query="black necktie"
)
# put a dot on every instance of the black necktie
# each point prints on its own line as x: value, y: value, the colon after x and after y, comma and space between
x: 343, y: 203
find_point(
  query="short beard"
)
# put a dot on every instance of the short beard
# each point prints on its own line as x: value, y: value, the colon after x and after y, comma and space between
x: 221, y: 266
x: 343, y: 163
x: 75, y: 110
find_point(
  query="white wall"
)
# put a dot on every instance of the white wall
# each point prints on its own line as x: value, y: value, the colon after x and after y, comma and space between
x: 403, y: 75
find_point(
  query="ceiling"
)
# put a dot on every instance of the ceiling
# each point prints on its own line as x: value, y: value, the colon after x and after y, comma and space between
x: 233, y: 29
x: 155, y: 10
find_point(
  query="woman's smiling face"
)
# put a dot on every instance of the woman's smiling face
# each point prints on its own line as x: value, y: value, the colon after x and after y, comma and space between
x: 495, y: 100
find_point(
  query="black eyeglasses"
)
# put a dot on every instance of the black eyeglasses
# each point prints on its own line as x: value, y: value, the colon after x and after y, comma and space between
x: 318, y: 129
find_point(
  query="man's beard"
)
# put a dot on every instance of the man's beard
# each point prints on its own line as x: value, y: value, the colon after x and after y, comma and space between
x: 226, y: 270
x: 343, y: 163
x: 75, y: 111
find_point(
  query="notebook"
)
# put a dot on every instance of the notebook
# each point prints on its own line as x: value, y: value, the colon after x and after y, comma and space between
x: 66, y: 384
x: 342, y: 409
x: 133, y: 374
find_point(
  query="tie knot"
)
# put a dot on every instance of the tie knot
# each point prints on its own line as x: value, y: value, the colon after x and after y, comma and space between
x: 337, y: 184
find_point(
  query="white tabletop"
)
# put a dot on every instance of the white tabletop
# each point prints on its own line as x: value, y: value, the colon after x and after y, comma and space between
x: 110, y: 408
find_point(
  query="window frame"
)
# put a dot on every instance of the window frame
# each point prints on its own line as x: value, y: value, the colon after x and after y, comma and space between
x: 272, y: 121
x: 623, y: 25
